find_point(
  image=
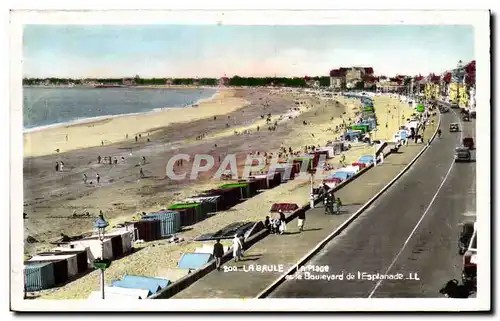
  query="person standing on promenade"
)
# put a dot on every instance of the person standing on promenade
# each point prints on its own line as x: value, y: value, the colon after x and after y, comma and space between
x: 217, y: 253
x: 301, y: 219
x: 57, y: 166
x: 267, y: 224
x: 98, y: 178
x: 237, y: 247
x: 98, y: 159
x: 282, y: 226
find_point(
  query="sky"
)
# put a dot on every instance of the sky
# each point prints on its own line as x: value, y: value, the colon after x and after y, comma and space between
x: 163, y: 51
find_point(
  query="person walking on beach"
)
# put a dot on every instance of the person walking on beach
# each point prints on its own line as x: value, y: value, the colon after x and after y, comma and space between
x: 143, y: 160
x: 84, y: 178
x: 126, y: 136
x: 237, y: 247
x: 98, y: 159
x: 98, y: 178
x: 61, y: 166
x: 57, y: 166
x: 66, y: 137
x: 136, y: 138
x: 141, y: 172
x: 217, y: 253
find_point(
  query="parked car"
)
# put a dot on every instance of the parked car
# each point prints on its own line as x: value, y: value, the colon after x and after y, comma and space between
x: 468, y: 142
x: 466, y: 117
x: 462, y: 154
x: 473, y: 114
x: 465, y: 236
x: 470, y: 260
x: 454, y: 127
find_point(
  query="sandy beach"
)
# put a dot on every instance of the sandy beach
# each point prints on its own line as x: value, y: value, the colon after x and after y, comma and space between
x: 121, y: 194
x: 114, y: 129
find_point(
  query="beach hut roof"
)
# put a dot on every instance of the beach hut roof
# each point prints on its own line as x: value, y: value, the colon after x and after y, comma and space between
x: 201, y: 199
x: 183, y: 206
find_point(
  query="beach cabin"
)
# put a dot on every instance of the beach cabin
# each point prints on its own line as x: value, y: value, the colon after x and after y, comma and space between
x: 209, y: 204
x: 193, y: 210
x: 209, y: 248
x: 82, y: 260
x: 260, y: 181
x: 363, y: 128
x: 71, y: 261
x: 367, y: 159
x: 342, y: 175
x: 95, y: 249
x: 148, y: 230
x: 285, y: 207
x: 329, y: 150
x: 152, y: 288
x: 194, y: 261
x: 123, y: 236
x: 359, y: 165
x: 162, y: 283
x: 352, y: 168
x: 353, y: 135
x: 228, y: 196
x: 97, y: 295
x: 140, y: 293
x: 287, y: 171
x: 116, y: 243
x: 170, y: 222
x: 175, y: 274
x: 38, y: 276
x: 244, y: 188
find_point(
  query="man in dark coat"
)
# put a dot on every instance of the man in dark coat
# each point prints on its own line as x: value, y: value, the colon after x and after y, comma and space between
x: 218, y: 253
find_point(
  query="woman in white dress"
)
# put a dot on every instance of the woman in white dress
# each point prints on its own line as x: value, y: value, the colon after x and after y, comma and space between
x: 237, y: 247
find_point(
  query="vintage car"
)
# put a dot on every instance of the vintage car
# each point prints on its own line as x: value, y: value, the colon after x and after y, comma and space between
x: 466, y: 117
x: 470, y: 260
x: 468, y: 142
x: 462, y: 154
x: 454, y: 127
x: 465, y: 236
x: 473, y: 114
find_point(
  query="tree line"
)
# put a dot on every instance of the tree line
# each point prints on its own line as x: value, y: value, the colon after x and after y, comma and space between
x: 233, y: 81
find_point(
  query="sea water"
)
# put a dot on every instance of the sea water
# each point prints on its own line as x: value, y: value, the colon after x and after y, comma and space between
x: 43, y: 107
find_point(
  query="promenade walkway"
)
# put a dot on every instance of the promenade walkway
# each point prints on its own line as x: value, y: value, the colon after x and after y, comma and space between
x: 242, y: 280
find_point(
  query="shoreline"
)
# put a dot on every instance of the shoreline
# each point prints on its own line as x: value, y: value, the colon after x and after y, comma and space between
x: 106, y: 130
x: 87, y: 120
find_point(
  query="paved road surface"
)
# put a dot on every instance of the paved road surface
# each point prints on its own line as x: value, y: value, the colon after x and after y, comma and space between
x: 412, y: 228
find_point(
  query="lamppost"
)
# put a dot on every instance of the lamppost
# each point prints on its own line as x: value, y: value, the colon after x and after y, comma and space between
x: 101, y: 263
x: 311, y: 198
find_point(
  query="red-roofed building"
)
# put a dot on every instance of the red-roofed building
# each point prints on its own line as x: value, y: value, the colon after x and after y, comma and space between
x: 368, y: 70
x: 337, y: 78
